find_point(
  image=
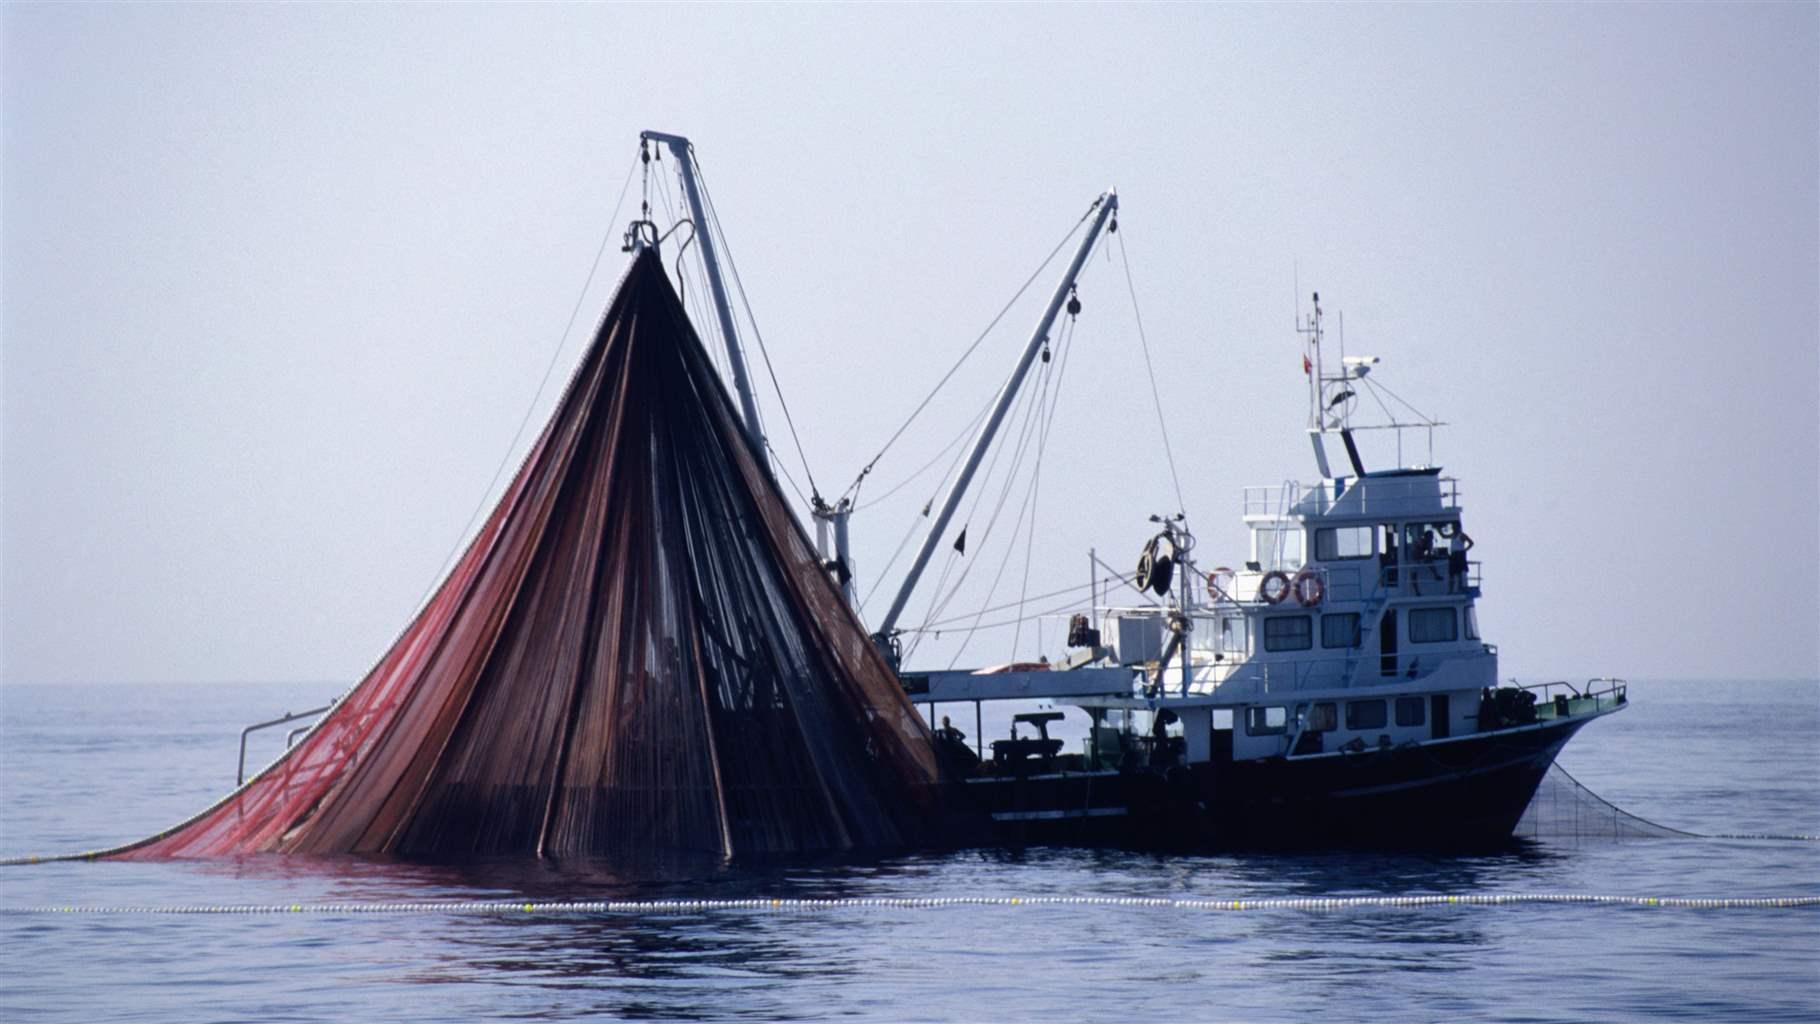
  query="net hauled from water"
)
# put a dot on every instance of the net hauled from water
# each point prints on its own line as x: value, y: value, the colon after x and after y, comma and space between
x: 639, y: 652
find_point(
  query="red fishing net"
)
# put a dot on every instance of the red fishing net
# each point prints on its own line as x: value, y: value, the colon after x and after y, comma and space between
x: 639, y: 652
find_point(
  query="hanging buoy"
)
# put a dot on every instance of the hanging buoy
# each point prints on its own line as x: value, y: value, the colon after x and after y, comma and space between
x: 1275, y: 587
x: 1308, y: 589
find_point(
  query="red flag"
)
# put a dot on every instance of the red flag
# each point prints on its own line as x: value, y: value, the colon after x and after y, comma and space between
x: 1307, y: 367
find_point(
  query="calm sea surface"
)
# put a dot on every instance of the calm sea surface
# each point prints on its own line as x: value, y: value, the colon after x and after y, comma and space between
x: 82, y: 767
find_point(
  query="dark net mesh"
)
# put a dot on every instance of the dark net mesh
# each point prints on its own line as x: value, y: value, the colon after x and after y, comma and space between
x: 1564, y: 809
x: 638, y: 652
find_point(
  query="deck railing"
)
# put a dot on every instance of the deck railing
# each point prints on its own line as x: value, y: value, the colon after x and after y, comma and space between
x: 1561, y: 699
x: 1390, y: 495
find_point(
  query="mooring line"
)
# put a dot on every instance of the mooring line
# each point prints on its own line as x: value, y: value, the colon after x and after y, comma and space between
x: 670, y: 907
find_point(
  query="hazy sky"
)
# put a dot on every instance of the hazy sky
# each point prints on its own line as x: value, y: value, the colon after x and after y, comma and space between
x: 281, y: 281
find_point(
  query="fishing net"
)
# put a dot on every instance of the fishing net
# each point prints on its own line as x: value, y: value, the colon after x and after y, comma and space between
x: 1562, y: 808
x: 639, y: 652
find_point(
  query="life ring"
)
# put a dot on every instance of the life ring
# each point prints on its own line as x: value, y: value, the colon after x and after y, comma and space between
x: 1308, y: 588
x: 1274, y: 595
x: 1447, y: 529
x: 1216, y: 591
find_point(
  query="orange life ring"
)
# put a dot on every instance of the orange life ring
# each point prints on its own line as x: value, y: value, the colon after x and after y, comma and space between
x: 1215, y: 592
x: 1270, y: 595
x: 1308, y: 588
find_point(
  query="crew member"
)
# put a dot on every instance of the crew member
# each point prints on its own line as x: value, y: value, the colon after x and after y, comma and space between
x: 948, y: 733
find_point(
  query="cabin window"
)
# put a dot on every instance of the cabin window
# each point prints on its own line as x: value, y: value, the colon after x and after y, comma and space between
x: 1288, y: 633
x: 1277, y: 547
x: 1222, y: 719
x: 1433, y: 625
x: 1340, y: 629
x: 1269, y: 720
x: 1472, y: 623
x: 1232, y: 634
x: 1323, y: 717
x: 1340, y: 542
x: 1409, y: 711
x: 1365, y: 714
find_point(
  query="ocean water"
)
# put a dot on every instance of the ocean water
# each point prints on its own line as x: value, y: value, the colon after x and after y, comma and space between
x: 83, y: 767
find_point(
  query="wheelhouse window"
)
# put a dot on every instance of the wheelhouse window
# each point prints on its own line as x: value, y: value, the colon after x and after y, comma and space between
x: 1472, y: 623
x: 1365, y: 714
x: 1409, y: 710
x: 1232, y: 634
x: 1288, y: 633
x: 1433, y: 625
x: 1268, y: 720
x: 1340, y: 629
x: 1335, y: 543
x: 1277, y: 547
x: 1324, y: 716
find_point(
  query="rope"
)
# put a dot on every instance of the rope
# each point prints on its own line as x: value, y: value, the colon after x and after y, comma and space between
x: 1174, y: 478
x: 650, y: 908
x: 1038, y: 420
x: 746, y: 304
x: 1074, y: 590
x: 1063, y: 349
x: 543, y: 382
x: 1029, y: 413
x: 937, y: 626
x: 886, y: 571
x: 1059, y: 609
x: 1427, y: 420
x: 1373, y: 389
x: 924, y: 404
x: 965, y: 433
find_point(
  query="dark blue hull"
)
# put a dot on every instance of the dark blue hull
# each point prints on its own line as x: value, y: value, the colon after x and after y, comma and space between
x: 1468, y: 791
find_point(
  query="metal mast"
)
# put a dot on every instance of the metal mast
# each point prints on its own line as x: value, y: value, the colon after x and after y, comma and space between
x: 704, y: 233
x: 1107, y: 204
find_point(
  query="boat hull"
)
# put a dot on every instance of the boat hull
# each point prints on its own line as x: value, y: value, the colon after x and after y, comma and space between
x: 1468, y: 791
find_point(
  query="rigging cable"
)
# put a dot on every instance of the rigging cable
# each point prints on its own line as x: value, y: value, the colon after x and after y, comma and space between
x: 965, y: 433
x: 928, y: 503
x: 939, y: 602
x: 1046, y: 403
x: 688, y: 289
x: 1066, y: 346
x: 746, y: 303
x: 1018, y: 521
x: 1026, y: 433
x: 1112, y: 576
x: 940, y: 595
x: 1174, y: 477
x: 924, y: 404
x: 1427, y: 420
x: 1019, y: 604
x: 1028, y: 411
x: 1389, y: 417
x: 531, y: 407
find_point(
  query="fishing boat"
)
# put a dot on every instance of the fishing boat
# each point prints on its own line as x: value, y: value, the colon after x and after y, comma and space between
x: 1331, y: 687
x: 642, y: 650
